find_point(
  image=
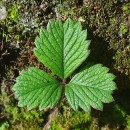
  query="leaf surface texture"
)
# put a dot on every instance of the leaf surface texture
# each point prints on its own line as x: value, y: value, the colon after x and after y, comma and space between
x: 90, y: 87
x: 35, y: 87
x: 62, y: 47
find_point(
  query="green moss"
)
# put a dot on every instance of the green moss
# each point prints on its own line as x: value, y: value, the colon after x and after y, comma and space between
x: 13, y: 12
x: 126, y: 8
x: 4, y: 125
x: 107, y: 22
x: 19, y: 118
x: 128, y: 122
x: 71, y: 120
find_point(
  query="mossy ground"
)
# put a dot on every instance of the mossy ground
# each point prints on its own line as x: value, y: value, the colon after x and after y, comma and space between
x: 108, y: 24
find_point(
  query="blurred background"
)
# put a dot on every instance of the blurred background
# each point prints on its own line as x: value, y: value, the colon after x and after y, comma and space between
x: 108, y: 25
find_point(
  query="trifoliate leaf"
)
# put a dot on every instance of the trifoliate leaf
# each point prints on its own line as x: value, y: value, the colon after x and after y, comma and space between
x: 62, y: 47
x: 35, y: 87
x: 90, y: 87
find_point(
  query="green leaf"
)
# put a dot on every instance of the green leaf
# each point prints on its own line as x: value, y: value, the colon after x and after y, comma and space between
x: 36, y: 88
x: 90, y: 87
x: 62, y: 47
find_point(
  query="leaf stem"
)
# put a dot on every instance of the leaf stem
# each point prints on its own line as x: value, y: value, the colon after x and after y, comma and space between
x: 51, y: 117
x: 55, y: 110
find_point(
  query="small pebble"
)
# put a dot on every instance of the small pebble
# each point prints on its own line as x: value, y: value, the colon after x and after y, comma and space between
x: 3, y: 13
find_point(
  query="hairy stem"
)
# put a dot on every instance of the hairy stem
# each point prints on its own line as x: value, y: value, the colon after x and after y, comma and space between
x: 55, y: 110
x: 51, y: 117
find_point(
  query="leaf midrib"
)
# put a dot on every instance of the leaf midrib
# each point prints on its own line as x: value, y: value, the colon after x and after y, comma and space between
x: 81, y: 85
